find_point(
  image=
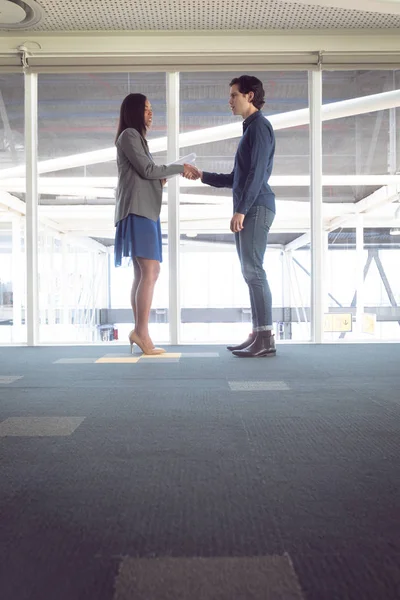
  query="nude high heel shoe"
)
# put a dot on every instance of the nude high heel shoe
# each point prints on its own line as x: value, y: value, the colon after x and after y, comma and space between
x: 135, y: 339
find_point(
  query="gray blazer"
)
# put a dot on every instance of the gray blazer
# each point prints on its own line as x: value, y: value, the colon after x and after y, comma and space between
x: 139, y: 189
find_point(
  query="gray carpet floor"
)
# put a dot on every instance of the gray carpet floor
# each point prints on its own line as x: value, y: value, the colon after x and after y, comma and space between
x: 200, y: 477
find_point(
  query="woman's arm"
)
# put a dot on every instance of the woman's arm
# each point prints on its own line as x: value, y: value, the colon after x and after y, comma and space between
x: 130, y: 142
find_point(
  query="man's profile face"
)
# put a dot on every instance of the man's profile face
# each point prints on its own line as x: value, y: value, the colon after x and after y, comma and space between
x: 238, y: 102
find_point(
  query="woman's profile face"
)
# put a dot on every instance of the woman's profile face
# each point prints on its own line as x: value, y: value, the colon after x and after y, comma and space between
x: 148, y: 114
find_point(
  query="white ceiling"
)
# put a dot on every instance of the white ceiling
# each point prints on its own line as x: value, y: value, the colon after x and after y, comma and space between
x: 208, y: 15
x: 380, y: 6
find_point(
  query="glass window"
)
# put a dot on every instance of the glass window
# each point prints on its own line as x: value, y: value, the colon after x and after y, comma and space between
x: 82, y: 296
x: 214, y: 298
x: 362, y: 277
x: 12, y: 211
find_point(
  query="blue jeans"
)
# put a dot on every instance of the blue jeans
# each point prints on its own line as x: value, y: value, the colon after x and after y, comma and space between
x: 251, y: 243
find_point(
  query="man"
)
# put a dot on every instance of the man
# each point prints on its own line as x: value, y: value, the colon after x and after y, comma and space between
x: 253, y: 208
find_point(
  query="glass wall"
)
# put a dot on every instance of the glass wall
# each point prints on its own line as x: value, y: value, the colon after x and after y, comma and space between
x: 81, y: 296
x: 72, y: 287
x: 297, y: 282
x: 361, y: 213
x: 214, y: 298
x: 12, y: 210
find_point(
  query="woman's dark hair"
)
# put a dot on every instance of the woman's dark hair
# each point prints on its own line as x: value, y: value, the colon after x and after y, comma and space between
x: 132, y: 114
x: 248, y: 83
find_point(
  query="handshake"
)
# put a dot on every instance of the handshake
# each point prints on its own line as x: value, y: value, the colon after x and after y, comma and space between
x: 191, y: 172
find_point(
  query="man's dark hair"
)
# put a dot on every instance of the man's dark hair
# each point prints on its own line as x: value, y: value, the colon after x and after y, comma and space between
x: 132, y: 114
x: 248, y: 83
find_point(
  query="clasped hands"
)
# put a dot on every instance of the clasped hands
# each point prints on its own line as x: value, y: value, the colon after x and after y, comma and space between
x: 191, y: 172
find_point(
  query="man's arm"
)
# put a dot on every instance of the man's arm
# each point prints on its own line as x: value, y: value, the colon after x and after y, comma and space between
x: 260, y: 149
x: 221, y: 180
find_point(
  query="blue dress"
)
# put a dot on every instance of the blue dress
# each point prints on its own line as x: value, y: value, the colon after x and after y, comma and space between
x: 137, y: 236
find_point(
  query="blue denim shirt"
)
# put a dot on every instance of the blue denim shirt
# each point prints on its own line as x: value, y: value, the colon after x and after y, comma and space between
x: 252, y: 169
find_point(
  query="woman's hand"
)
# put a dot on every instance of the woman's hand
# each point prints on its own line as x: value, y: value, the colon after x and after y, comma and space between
x: 191, y: 172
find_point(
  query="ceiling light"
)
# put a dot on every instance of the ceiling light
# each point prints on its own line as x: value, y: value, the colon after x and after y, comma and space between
x: 19, y: 14
x: 395, y: 231
x: 11, y: 13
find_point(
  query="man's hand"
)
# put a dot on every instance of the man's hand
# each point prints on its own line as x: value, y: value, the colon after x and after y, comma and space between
x: 237, y: 222
x: 163, y: 182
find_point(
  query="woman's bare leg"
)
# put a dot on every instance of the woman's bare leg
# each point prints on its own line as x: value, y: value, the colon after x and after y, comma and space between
x: 150, y: 270
x: 137, y: 274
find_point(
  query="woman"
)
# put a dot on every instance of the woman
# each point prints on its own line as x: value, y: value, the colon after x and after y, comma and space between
x: 137, y: 211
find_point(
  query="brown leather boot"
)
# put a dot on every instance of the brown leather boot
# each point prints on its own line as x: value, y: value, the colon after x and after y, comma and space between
x: 250, y: 340
x: 263, y: 345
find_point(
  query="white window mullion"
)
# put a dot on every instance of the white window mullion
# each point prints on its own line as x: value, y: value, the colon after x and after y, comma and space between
x: 317, y: 233
x: 174, y: 311
x: 31, y: 159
